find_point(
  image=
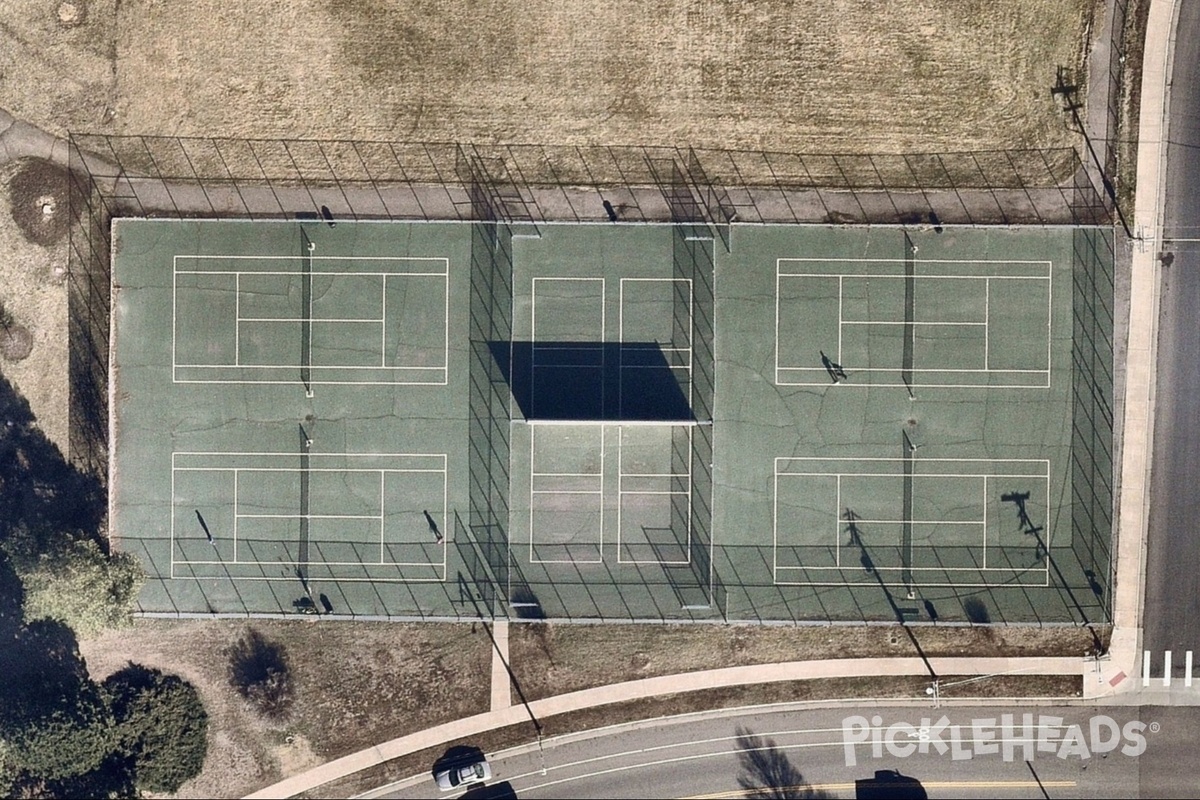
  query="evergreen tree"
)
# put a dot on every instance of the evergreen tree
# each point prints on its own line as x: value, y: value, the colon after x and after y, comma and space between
x: 161, y: 726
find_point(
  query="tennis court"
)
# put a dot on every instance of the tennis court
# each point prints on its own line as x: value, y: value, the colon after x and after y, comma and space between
x: 446, y: 420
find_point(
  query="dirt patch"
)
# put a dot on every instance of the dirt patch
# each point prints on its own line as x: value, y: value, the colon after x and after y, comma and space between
x: 16, y: 342
x: 554, y: 659
x: 356, y: 685
x: 37, y: 196
x: 72, y: 13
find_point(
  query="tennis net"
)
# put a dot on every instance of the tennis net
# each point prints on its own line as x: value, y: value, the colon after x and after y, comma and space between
x: 306, y: 258
x: 910, y: 280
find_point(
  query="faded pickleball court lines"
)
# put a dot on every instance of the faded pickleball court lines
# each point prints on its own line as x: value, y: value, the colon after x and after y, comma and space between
x: 575, y: 495
x: 921, y: 323
x: 915, y: 522
x: 264, y: 319
x: 344, y: 517
x: 570, y: 350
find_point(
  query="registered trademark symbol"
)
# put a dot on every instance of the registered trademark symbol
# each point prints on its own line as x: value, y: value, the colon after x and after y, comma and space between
x: 1155, y: 727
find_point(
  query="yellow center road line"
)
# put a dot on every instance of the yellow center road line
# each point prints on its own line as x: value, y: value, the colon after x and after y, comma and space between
x: 845, y: 787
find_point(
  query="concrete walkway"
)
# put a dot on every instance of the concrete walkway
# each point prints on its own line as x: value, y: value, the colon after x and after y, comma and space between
x: 667, y: 684
x: 1133, y: 504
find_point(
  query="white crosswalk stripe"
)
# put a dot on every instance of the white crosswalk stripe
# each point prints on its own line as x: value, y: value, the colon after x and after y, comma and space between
x: 1149, y: 679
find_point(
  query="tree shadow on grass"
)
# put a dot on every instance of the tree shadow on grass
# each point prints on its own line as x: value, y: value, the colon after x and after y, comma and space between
x: 766, y: 773
x: 43, y: 498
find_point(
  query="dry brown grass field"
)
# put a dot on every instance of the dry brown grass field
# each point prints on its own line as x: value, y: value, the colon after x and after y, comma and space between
x: 836, y: 76
x: 355, y: 685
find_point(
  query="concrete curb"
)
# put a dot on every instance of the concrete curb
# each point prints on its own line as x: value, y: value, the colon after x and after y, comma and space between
x: 1133, y: 517
x: 666, y: 684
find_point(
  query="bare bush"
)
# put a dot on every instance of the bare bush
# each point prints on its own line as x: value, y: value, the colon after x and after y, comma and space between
x: 259, y: 671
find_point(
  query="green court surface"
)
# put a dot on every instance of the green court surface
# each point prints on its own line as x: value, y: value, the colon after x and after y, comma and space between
x: 448, y: 420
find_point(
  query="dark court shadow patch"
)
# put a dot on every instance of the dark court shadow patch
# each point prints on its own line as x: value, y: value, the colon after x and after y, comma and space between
x: 608, y: 381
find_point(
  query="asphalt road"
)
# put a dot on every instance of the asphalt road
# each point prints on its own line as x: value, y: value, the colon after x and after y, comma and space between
x: 789, y: 749
x: 1172, y: 610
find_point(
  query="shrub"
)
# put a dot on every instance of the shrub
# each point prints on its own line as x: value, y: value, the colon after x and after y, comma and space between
x: 79, y: 585
x: 259, y: 671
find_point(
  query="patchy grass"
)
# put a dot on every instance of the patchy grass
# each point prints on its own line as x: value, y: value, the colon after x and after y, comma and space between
x: 359, y: 684
x: 841, y: 76
x: 554, y: 659
x: 33, y: 293
x: 354, y: 684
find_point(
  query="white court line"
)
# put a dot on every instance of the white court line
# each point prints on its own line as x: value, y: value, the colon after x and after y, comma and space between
x: 927, y: 369
x: 1167, y: 668
x: 294, y: 454
x: 973, y: 570
x: 621, y: 333
x: 1048, y: 278
x: 1044, y: 475
x: 1187, y: 669
x: 827, y: 384
x: 231, y: 257
x: 841, y: 318
x: 317, y: 367
x: 314, y: 273
x: 304, y: 516
x: 383, y: 472
x: 916, y: 584
x: 314, y: 578
x: 621, y: 492
x: 900, y: 262
x: 837, y: 518
x: 913, y: 521
x: 899, y: 476
x: 534, y: 336
x: 444, y: 275
x: 915, y: 325
x: 886, y: 276
x: 314, y: 320
x: 985, y: 507
x: 923, y: 460
x: 987, y: 318
x: 338, y: 470
x: 1145, y: 668
x: 532, y: 492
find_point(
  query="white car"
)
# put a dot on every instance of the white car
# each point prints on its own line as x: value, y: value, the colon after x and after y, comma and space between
x: 466, y: 775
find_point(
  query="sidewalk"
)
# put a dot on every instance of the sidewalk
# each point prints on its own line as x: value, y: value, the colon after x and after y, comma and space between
x: 1133, y: 504
x: 667, y: 684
